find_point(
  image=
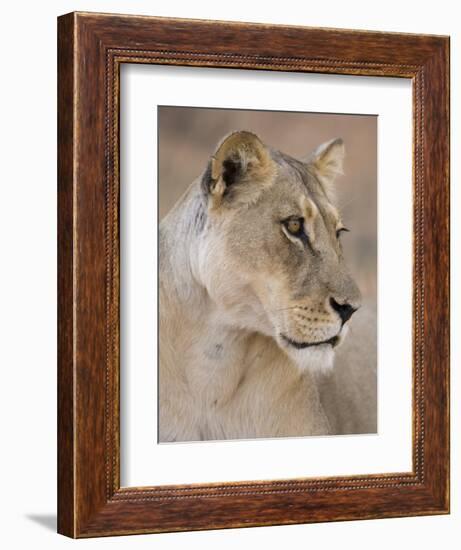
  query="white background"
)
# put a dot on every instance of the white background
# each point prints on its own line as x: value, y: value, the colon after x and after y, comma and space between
x: 143, y: 462
x: 28, y: 273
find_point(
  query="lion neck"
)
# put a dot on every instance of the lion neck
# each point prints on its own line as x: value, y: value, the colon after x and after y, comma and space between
x: 178, y: 242
x: 191, y: 325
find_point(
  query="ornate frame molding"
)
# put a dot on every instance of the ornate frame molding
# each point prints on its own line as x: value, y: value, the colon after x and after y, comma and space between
x: 91, y: 49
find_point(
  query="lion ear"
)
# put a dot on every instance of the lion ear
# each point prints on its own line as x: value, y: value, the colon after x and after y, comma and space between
x: 239, y: 169
x: 327, y: 163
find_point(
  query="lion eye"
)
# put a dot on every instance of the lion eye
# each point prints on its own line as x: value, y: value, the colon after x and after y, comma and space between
x: 340, y: 230
x: 294, y: 226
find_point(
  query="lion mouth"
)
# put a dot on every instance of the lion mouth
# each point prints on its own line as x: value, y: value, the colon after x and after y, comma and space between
x: 301, y: 345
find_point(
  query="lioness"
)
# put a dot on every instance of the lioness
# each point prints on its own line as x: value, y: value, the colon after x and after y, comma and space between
x: 254, y: 295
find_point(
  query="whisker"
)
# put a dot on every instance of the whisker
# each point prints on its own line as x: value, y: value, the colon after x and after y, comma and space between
x: 347, y: 203
x: 284, y: 309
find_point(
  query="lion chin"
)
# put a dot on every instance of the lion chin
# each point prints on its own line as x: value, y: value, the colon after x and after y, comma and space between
x: 315, y: 359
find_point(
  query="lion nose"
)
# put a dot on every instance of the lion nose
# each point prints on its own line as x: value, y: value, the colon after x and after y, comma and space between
x: 345, y: 311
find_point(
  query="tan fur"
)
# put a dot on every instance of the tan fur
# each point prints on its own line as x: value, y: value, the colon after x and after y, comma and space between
x: 258, y: 168
x: 310, y: 213
x: 327, y: 162
x: 236, y: 289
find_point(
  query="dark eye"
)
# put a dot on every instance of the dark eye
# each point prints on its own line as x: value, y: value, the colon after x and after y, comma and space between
x: 294, y: 226
x: 340, y: 230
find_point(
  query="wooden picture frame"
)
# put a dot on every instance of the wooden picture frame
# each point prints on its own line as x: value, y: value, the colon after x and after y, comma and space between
x: 91, y: 49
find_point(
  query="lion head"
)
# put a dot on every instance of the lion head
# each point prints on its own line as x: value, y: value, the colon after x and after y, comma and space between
x: 270, y: 253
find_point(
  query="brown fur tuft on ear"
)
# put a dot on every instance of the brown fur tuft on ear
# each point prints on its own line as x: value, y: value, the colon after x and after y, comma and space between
x: 239, y: 169
x: 327, y: 163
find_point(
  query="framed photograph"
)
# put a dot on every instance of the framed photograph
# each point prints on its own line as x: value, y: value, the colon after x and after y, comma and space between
x: 253, y: 257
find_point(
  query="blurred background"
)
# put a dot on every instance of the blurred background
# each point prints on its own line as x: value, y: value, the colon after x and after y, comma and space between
x: 188, y: 136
